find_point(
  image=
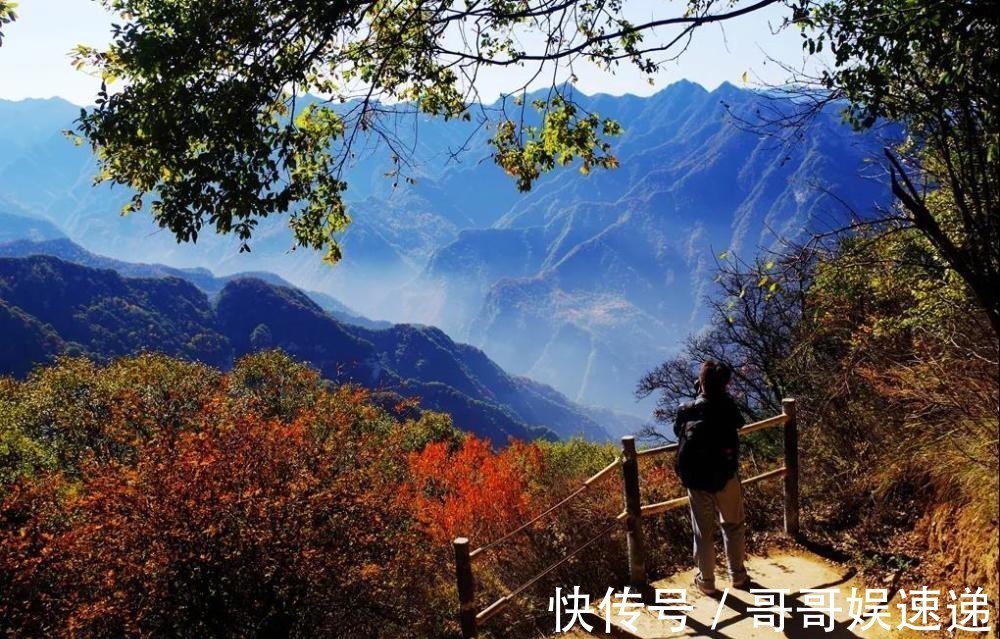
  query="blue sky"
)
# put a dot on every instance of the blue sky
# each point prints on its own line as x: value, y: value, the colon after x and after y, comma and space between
x: 34, y: 60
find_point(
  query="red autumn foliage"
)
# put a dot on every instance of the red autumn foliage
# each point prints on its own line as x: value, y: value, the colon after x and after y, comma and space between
x: 247, y: 526
x: 472, y: 490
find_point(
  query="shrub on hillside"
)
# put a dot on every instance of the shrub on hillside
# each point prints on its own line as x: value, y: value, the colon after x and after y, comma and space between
x: 226, y: 521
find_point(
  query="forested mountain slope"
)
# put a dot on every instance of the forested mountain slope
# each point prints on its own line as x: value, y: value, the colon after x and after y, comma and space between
x: 49, y: 306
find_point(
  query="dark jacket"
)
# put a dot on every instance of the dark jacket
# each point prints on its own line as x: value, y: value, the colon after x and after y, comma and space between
x: 707, y: 431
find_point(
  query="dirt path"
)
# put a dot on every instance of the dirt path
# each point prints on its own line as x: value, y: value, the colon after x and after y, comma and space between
x: 731, y: 617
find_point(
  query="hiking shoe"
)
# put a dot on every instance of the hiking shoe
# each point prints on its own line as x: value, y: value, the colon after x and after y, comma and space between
x: 742, y: 584
x: 705, y: 589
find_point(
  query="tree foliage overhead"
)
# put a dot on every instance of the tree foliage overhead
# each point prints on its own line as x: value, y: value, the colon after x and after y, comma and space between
x: 7, y: 14
x: 931, y: 66
x: 210, y: 123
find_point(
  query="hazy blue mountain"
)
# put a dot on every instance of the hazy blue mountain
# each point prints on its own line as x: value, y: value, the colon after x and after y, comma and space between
x: 17, y: 227
x: 69, y: 251
x: 50, y: 306
x: 26, y: 123
x: 583, y: 283
x: 26, y: 341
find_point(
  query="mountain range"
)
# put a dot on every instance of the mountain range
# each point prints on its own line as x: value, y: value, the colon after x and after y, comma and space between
x: 50, y: 306
x: 583, y: 284
x: 32, y: 230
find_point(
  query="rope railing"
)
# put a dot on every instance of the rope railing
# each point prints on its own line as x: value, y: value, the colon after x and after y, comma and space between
x: 468, y: 616
x: 632, y: 516
x: 502, y: 602
x: 562, y: 502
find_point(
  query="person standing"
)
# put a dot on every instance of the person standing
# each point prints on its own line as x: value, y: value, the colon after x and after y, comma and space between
x: 707, y: 431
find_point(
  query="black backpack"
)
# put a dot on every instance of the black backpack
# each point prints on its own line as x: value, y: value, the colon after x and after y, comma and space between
x: 707, y: 443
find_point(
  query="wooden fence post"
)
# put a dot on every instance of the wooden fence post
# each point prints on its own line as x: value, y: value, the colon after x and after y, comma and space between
x: 633, y: 517
x: 466, y: 588
x: 792, y: 468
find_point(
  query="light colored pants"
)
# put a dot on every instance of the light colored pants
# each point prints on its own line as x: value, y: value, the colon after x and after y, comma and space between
x: 708, y: 509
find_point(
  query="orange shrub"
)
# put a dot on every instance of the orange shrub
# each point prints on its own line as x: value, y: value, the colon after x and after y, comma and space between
x: 248, y: 526
x: 472, y: 491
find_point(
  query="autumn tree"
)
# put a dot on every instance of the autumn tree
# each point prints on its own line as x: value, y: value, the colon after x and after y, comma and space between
x: 248, y: 523
x: 898, y: 348
x: 470, y: 490
x: 932, y: 67
x: 82, y: 413
x: 21, y: 455
x: 183, y: 501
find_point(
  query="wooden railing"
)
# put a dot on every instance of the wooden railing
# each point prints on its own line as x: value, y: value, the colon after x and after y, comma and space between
x: 471, y: 619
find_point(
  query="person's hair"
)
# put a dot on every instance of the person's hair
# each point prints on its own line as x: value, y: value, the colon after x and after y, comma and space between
x: 714, y: 376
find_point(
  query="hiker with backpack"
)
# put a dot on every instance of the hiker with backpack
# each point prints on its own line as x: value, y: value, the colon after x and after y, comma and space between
x: 707, y: 431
